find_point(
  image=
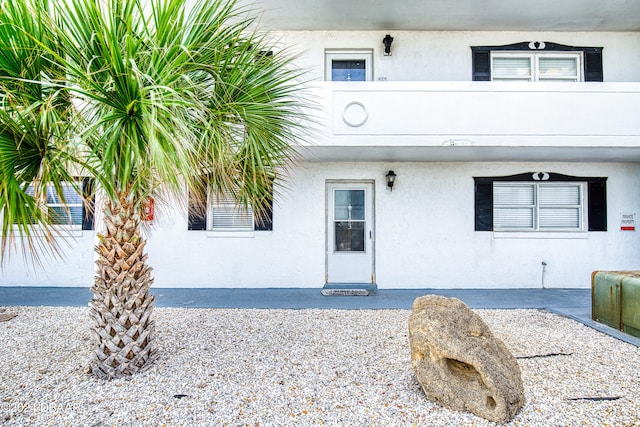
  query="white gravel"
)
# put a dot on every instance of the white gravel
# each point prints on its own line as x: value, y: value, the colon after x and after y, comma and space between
x: 298, y: 368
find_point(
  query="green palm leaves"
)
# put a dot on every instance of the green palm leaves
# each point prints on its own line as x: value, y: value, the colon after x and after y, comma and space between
x: 35, y: 119
x: 138, y: 95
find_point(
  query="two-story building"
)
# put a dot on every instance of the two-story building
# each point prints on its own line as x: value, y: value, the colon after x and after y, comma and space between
x: 464, y: 144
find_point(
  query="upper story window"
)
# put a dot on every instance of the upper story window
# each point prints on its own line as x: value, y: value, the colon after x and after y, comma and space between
x: 524, y: 66
x: 537, y: 61
x: 348, y: 65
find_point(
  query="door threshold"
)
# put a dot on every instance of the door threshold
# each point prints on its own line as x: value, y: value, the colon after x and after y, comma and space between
x: 349, y: 289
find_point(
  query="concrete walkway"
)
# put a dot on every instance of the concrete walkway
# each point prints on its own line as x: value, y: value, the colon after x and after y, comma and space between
x: 572, y: 303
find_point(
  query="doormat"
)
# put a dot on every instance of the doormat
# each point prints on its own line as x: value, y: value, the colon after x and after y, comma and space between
x: 345, y: 292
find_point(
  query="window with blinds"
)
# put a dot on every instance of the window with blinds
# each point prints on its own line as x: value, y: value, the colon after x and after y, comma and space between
x: 519, y: 206
x: 536, y: 66
x: 226, y: 214
x: 64, y: 207
x: 512, y: 68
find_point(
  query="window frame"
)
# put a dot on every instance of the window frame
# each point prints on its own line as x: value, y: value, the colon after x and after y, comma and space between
x: 227, y: 202
x: 536, y: 207
x: 199, y: 214
x: 365, y: 55
x: 592, y: 58
x: 86, y: 204
x: 534, y: 63
x: 595, y: 207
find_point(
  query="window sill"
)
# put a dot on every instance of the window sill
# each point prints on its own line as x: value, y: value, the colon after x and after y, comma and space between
x: 540, y: 235
x: 58, y: 232
x: 233, y: 234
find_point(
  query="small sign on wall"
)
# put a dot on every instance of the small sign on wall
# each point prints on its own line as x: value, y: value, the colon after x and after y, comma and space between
x: 628, y: 222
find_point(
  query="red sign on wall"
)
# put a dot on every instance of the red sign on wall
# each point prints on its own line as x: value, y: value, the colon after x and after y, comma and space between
x: 628, y: 222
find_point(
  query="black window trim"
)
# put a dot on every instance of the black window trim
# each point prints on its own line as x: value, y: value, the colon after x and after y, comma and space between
x: 88, y: 201
x: 596, y: 200
x: 592, y: 58
x: 197, y: 215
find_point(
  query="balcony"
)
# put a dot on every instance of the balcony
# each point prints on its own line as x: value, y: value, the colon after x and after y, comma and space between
x: 476, y: 121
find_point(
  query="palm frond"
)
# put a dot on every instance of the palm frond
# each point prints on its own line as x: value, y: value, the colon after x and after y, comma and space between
x: 35, y: 127
x: 147, y: 93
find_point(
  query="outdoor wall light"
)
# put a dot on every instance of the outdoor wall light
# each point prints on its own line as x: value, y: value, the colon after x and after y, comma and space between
x: 391, y: 179
x: 387, y: 44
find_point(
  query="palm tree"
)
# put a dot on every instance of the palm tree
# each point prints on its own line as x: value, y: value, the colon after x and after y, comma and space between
x: 146, y: 97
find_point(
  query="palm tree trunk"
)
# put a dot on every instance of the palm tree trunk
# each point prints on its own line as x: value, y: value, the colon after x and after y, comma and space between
x: 123, y: 331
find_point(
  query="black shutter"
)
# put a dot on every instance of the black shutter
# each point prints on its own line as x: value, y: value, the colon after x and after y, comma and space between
x: 484, y: 205
x: 481, y: 66
x: 593, y: 65
x: 597, y: 206
x: 88, y: 204
x: 264, y: 222
x: 197, y: 213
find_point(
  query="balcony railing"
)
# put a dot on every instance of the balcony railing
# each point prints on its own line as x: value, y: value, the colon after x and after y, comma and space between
x: 487, y: 120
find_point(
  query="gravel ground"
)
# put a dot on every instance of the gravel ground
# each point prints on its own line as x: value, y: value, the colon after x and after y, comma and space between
x: 298, y: 368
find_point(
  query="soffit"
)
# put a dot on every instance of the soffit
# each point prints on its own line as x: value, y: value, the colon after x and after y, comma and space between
x: 450, y: 15
x: 471, y: 154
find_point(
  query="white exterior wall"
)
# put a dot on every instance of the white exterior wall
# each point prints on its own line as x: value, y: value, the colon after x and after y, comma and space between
x: 446, y: 55
x: 424, y: 232
x: 425, y: 228
x: 74, y: 268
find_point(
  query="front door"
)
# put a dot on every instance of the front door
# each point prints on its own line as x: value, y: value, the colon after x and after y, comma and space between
x: 350, y: 232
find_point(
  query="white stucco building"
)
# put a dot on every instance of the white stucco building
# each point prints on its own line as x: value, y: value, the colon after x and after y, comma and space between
x: 511, y: 126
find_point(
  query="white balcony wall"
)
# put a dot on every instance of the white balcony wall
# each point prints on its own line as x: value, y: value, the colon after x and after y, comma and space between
x: 446, y: 55
x: 477, y: 117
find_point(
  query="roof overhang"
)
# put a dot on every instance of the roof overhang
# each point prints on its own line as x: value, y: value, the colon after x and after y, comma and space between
x: 447, y: 15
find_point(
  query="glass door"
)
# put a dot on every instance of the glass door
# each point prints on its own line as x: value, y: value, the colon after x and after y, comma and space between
x: 350, y: 233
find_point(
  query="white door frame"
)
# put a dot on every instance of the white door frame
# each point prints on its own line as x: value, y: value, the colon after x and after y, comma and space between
x: 365, y: 260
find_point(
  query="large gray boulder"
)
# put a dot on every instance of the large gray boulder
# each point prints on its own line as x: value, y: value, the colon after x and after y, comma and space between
x: 459, y: 363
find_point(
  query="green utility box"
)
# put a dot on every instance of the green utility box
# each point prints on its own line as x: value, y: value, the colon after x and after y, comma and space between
x: 615, y: 300
x: 630, y: 306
